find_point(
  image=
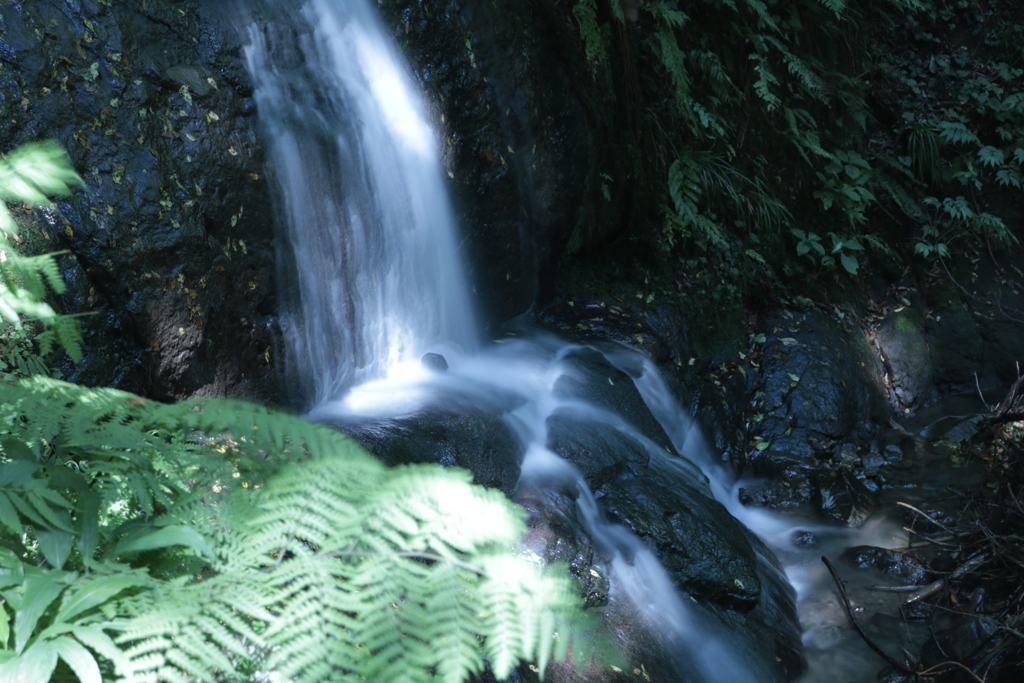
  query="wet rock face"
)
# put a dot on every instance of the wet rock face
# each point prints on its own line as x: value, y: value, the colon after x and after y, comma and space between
x: 706, y: 550
x: 640, y: 484
x: 949, y: 337
x: 819, y: 407
x: 170, y: 241
x: 555, y: 535
x: 591, y: 378
x: 840, y: 495
x: 662, y: 334
x: 806, y: 409
x: 907, y: 360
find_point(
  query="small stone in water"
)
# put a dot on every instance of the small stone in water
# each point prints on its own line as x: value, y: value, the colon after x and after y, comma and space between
x: 434, y: 361
x: 803, y: 539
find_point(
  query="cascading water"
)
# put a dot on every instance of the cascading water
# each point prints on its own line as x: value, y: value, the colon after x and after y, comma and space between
x: 525, y: 373
x: 372, y: 279
x: 372, y: 276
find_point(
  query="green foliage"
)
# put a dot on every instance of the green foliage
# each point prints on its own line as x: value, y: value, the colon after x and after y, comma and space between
x: 964, y: 115
x: 29, y: 174
x: 845, y: 183
x: 220, y: 541
x: 699, y: 185
x: 923, y: 146
x: 956, y: 219
x: 811, y: 246
x: 216, y: 540
x: 18, y: 357
x: 747, y: 102
x: 33, y: 173
x: 585, y: 12
x: 744, y: 84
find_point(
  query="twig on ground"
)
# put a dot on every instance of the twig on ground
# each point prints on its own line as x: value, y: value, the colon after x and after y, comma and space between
x: 928, y: 591
x: 849, y: 611
x: 930, y: 519
x: 931, y: 671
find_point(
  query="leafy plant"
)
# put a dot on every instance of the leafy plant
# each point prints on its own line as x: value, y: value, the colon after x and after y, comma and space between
x: 218, y: 540
x: 809, y: 244
x: 959, y: 219
x: 923, y: 147
x: 699, y: 184
x: 134, y: 544
x: 845, y: 186
x: 30, y: 174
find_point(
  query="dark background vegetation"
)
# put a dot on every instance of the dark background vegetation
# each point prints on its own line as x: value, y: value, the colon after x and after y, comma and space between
x: 684, y: 177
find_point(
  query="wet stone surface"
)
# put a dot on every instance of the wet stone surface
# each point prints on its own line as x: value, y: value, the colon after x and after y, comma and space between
x: 475, y: 439
x: 170, y: 240
x: 906, y: 567
x: 706, y: 551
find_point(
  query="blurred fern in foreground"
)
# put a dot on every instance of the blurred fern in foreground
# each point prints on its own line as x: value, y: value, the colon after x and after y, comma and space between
x: 31, y: 174
x: 133, y: 546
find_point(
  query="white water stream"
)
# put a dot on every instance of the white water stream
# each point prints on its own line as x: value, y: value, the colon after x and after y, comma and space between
x: 372, y: 274
x: 372, y: 280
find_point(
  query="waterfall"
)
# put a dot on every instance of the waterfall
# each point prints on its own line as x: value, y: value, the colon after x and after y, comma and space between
x: 370, y: 269
x: 372, y: 279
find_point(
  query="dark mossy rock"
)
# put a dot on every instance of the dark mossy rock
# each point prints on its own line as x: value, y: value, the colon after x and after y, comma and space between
x: 705, y: 549
x: 820, y: 383
x: 901, y: 337
x: 957, y: 349
x: 764, y: 632
x: 788, y: 480
x: 434, y: 361
x: 533, y: 138
x: 475, y: 439
x: 598, y: 304
x: 592, y: 378
x: 555, y: 535
x: 170, y: 240
x: 984, y: 347
x: 600, y: 452
x: 783, y: 466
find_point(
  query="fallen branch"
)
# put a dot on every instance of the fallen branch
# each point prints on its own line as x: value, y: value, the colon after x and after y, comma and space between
x: 931, y: 671
x: 926, y: 592
x: 849, y: 611
x: 952, y: 664
x: 930, y: 519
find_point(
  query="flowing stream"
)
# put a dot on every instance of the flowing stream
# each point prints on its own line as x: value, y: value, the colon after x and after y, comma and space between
x: 373, y: 280
x: 372, y: 276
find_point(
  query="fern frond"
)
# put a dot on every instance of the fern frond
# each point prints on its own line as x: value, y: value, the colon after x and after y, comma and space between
x: 765, y: 80
x: 674, y: 60
x: 711, y: 68
x: 760, y: 9
x: 671, y: 17
x: 798, y: 68
x: 33, y: 172
x: 310, y: 560
x: 585, y: 12
x: 837, y: 6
